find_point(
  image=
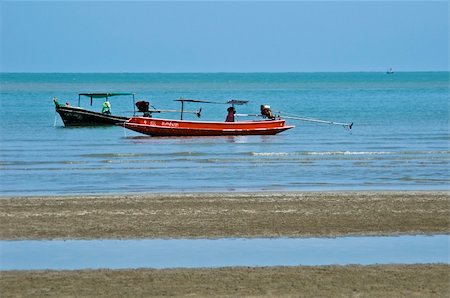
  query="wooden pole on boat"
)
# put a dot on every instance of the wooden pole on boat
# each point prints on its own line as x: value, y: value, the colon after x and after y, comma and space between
x: 349, y: 125
x: 182, y: 109
x: 175, y: 111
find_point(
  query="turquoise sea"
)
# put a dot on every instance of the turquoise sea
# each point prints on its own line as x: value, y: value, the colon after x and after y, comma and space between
x: 399, y: 141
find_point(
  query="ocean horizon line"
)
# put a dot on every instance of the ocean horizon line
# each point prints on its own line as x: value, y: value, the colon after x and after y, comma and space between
x: 232, y: 72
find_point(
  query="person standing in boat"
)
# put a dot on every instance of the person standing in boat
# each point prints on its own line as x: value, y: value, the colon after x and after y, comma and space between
x: 230, y: 115
x: 106, y: 107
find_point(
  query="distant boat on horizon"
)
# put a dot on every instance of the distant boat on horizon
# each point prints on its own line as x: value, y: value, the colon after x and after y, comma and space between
x: 390, y: 71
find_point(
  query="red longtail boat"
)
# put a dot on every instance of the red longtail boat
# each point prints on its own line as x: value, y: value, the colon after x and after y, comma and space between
x: 166, y: 127
x: 269, y: 125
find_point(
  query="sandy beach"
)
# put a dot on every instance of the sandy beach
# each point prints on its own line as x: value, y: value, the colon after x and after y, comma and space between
x: 323, y: 281
x: 216, y: 215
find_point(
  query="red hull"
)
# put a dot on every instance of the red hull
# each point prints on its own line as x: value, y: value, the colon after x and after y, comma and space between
x: 166, y: 127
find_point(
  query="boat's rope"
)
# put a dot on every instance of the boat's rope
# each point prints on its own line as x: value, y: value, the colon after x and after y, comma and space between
x: 124, y: 131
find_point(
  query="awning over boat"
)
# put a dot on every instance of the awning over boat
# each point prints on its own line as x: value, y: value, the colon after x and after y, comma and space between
x: 237, y: 102
x: 196, y: 100
x: 104, y: 95
x: 233, y: 101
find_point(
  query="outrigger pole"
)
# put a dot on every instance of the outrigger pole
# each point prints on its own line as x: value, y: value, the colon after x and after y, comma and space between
x: 349, y: 125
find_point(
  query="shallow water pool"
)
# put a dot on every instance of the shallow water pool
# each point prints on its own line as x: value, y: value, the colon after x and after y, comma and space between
x: 196, y: 253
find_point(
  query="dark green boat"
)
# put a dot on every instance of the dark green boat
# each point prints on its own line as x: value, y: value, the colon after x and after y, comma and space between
x: 78, y: 116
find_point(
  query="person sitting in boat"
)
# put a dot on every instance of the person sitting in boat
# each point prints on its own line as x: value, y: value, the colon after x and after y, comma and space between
x: 266, y: 112
x: 106, y: 108
x: 230, y: 115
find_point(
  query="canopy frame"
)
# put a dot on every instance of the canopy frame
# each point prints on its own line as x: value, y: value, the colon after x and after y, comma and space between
x: 232, y: 102
x: 106, y: 95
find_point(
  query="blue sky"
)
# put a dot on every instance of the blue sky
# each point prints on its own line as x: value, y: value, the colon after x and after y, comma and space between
x: 215, y: 36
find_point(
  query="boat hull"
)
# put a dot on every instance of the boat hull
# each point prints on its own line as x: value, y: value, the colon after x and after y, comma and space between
x: 166, y: 127
x: 73, y: 116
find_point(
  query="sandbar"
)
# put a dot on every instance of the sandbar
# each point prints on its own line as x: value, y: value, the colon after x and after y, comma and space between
x: 324, y: 281
x: 218, y: 215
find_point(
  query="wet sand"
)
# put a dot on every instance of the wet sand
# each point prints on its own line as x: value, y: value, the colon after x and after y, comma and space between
x: 324, y: 281
x: 215, y: 215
